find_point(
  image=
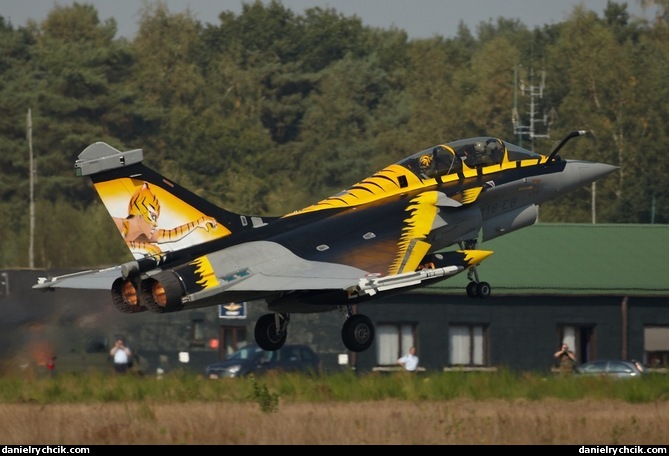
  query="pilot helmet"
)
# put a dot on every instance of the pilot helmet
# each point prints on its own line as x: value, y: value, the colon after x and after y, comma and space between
x: 492, y: 145
x: 479, y: 147
x: 425, y: 161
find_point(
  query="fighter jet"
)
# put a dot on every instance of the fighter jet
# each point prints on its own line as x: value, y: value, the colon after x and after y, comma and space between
x: 414, y: 223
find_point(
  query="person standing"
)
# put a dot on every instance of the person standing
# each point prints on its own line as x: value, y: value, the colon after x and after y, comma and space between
x: 566, y: 359
x: 51, y: 366
x: 121, y: 355
x: 409, y: 361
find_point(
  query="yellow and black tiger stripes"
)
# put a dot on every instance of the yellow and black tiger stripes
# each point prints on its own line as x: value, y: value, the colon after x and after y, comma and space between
x: 179, y: 232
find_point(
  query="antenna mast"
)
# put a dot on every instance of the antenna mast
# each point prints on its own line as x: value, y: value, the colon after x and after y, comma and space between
x: 533, y: 92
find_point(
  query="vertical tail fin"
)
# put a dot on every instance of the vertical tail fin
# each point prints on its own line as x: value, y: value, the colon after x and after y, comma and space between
x: 153, y: 214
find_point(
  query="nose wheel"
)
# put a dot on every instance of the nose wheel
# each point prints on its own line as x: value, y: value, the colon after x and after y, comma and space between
x: 475, y: 288
x: 478, y: 289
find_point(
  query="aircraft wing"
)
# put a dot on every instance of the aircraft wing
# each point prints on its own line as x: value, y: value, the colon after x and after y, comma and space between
x: 273, y: 269
x: 100, y: 279
x: 269, y: 270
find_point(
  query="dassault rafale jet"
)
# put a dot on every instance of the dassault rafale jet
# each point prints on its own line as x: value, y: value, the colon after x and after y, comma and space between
x: 389, y: 233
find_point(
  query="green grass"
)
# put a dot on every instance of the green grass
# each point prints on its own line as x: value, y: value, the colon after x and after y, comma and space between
x: 270, y: 390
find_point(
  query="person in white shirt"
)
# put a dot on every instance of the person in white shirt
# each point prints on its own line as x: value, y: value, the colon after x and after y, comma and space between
x: 121, y: 355
x: 409, y: 361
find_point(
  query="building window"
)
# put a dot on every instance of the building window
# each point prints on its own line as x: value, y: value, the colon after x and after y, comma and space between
x: 581, y: 340
x: 197, y: 336
x: 468, y: 345
x: 231, y: 339
x: 4, y: 284
x: 393, y: 341
x: 656, y: 346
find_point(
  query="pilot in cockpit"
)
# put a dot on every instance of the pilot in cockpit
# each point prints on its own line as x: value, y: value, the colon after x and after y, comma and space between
x: 474, y: 155
x: 494, y: 151
x: 438, y: 162
x: 426, y: 165
x: 484, y: 153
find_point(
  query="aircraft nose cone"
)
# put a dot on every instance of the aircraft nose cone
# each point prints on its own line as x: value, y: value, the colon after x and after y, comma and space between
x: 579, y: 173
x: 590, y: 172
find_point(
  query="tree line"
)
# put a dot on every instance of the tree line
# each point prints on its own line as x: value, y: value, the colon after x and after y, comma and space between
x: 269, y: 111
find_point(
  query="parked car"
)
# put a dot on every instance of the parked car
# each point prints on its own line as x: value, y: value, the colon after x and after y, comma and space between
x: 611, y: 368
x: 253, y: 359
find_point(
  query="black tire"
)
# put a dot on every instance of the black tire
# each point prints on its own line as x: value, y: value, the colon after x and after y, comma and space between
x: 483, y: 290
x: 471, y: 290
x: 357, y: 333
x: 266, y: 335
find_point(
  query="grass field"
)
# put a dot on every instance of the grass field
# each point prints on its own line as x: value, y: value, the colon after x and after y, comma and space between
x: 397, y: 408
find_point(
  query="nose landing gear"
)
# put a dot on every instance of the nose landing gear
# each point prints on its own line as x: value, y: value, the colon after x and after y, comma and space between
x: 475, y: 288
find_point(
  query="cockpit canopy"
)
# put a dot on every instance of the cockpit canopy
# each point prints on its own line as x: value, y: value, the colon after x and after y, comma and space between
x: 476, y: 152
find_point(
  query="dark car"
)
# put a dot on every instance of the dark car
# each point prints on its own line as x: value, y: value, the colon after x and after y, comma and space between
x: 611, y: 368
x: 253, y: 359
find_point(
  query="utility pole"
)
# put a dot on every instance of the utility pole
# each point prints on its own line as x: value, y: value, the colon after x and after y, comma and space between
x: 31, y: 260
x: 594, y: 198
x: 533, y: 92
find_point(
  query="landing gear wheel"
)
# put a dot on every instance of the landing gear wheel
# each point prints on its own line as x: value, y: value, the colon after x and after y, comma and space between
x: 266, y: 334
x: 471, y: 290
x: 357, y: 333
x: 483, y: 289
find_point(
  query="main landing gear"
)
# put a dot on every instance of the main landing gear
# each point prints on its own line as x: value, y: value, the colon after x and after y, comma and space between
x: 271, y: 330
x: 475, y: 288
x: 357, y: 333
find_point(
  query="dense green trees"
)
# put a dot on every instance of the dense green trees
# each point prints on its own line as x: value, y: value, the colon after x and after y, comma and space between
x: 269, y: 111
